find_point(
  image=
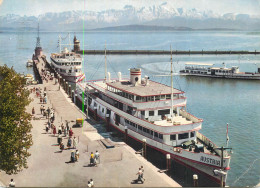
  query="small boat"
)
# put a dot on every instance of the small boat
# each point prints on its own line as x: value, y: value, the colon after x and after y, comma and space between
x: 29, y: 63
x: 207, y: 70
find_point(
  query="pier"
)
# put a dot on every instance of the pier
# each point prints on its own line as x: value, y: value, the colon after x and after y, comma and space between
x: 48, y: 167
x: 165, y: 52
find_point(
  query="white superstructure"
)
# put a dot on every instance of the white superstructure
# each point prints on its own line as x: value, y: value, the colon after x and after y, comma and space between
x: 68, y: 65
x: 207, y: 70
x: 157, y: 113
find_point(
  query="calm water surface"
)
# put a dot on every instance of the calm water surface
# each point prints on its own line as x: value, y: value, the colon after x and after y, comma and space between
x: 217, y: 101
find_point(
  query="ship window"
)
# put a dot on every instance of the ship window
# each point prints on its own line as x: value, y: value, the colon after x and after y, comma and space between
x: 160, y: 136
x: 168, y: 96
x: 95, y: 104
x: 138, y: 98
x: 143, y: 99
x: 183, y: 136
x: 173, y: 137
x: 163, y: 112
x: 155, y: 134
x: 151, y: 113
x: 151, y: 132
x: 140, y: 128
x: 192, y: 134
x: 162, y: 96
x: 130, y: 122
x: 152, y: 98
x: 144, y: 129
x: 62, y: 63
x: 102, y: 110
x: 143, y: 113
x: 157, y: 98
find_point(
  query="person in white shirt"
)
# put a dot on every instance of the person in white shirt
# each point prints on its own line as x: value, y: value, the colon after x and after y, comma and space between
x: 91, y: 182
x: 12, y: 183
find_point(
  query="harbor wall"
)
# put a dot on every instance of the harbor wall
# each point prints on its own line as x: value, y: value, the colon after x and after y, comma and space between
x: 164, y: 52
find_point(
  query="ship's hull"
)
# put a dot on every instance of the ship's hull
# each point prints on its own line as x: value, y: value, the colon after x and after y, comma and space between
x: 202, y: 162
x: 231, y: 76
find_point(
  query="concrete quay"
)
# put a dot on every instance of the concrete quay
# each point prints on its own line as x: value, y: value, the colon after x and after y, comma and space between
x: 48, y: 167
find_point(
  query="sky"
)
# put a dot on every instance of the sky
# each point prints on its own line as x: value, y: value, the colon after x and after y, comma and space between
x: 37, y: 7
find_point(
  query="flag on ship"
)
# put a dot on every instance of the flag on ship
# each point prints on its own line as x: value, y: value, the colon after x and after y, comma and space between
x: 81, y: 77
x: 227, y: 135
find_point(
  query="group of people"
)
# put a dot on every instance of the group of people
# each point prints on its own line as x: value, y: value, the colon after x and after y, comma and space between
x: 74, y: 156
x: 45, y: 75
x: 91, y: 183
x: 94, y: 158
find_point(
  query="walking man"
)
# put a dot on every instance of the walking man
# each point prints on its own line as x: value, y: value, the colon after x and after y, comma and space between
x: 97, y: 157
x: 74, y: 142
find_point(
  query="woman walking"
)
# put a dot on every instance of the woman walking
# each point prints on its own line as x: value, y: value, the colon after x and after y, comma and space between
x: 54, y: 130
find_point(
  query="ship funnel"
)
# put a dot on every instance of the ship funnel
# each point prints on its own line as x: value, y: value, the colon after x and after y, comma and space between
x: 135, y: 76
x: 119, y: 76
x: 108, y: 76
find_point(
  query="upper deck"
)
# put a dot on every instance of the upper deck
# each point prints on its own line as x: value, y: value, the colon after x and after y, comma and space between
x: 143, y: 90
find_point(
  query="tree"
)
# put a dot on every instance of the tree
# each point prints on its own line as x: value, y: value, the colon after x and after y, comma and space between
x: 15, y: 125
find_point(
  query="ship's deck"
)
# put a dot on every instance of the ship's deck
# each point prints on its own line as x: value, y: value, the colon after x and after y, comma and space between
x: 152, y: 89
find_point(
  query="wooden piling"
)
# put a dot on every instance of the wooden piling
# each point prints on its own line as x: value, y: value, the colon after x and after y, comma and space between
x: 126, y: 134
x: 69, y: 91
x: 195, y: 180
x: 107, y: 122
x: 72, y: 95
x: 168, y: 164
x: 144, y: 148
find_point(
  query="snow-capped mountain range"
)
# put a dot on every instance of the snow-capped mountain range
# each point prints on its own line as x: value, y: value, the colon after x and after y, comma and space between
x: 161, y: 15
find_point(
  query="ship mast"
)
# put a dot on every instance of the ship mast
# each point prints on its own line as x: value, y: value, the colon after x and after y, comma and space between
x: 60, y: 43
x: 105, y: 61
x: 171, y: 87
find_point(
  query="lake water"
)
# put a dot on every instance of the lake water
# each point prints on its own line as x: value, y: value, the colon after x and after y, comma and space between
x: 217, y: 101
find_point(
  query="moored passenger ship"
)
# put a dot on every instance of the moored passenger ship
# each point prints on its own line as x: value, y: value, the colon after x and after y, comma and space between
x: 68, y: 64
x: 155, y: 112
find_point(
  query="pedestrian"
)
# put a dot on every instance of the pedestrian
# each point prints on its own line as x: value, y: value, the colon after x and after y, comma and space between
x: 62, y: 127
x: 47, y: 128
x: 89, y: 185
x: 69, y: 143
x: 54, y: 130
x: 72, y: 157
x: 65, y: 131
x: 92, y: 182
x: 139, y: 173
x: 142, y: 168
x: 33, y: 111
x: 12, y: 183
x: 59, y: 130
x: 97, y: 157
x: 91, y: 158
x: 77, y: 155
x: 48, y: 111
x: 44, y: 93
x: 45, y: 99
x: 59, y: 139
x: 67, y: 125
x: 61, y: 146
x: 70, y: 133
x: 74, y: 142
x: 41, y: 109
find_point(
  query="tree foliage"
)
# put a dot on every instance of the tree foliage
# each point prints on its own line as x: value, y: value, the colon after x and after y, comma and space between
x: 15, y: 126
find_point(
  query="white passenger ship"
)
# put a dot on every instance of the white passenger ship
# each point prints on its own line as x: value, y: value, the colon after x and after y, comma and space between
x: 68, y: 65
x: 157, y: 113
x: 207, y: 70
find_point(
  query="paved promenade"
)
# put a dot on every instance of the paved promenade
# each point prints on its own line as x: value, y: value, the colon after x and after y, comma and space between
x: 48, y: 167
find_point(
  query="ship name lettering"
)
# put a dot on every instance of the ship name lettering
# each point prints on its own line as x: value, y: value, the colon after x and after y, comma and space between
x: 209, y: 161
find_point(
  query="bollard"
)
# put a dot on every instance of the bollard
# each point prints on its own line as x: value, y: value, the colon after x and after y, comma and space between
x: 195, y: 180
x: 75, y: 99
x: 126, y: 134
x: 95, y: 113
x: 168, y: 164
x: 67, y: 87
x: 144, y: 148
x: 63, y: 83
x: 107, y: 122
x: 69, y: 91
x: 72, y: 95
